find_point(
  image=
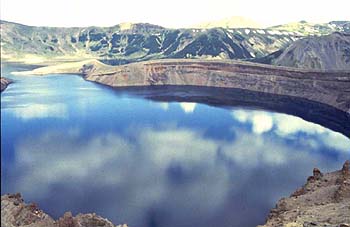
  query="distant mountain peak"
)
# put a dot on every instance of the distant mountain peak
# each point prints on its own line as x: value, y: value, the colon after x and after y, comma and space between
x: 126, y: 26
x: 138, y: 27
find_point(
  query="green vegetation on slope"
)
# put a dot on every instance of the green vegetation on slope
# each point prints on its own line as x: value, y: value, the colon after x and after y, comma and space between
x: 125, y: 43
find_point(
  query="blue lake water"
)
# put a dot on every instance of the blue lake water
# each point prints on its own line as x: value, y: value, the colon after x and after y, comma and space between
x: 69, y: 144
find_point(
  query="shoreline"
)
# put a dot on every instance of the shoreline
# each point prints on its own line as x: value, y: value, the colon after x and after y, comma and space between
x: 325, y: 87
x: 330, y: 88
x: 223, y: 82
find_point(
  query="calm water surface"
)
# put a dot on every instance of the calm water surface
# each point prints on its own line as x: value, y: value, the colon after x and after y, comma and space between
x: 68, y: 144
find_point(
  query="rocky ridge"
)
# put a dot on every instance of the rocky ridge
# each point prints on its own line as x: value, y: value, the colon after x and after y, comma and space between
x: 16, y: 213
x: 125, y: 43
x: 330, y: 52
x: 315, y: 29
x: 330, y: 88
x: 323, y: 201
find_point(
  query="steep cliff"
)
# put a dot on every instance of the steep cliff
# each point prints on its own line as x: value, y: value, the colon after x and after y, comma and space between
x: 323, y: 201
x: 327, y: 88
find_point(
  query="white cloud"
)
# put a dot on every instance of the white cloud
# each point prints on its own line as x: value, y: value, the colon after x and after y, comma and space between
x: 68, y: 160
x: 188, y: 107
x: 34, y: 110
x: 288, y: 126
x: 261, y: 121
x: 336, y: 141
x: 177, y: 145
x: 163, y: 105
x: 251, y: 150
x: 240, y: 115
x: 137, y: 166
x: 54, y: 157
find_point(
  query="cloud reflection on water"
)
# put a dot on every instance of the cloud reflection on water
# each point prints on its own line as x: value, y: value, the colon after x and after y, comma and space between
x: 35, y: 110
x: 174, y: 170
x: 289, y: 126
x: 188, y: 107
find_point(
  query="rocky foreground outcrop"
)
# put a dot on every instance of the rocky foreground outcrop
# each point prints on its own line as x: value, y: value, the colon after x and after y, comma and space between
x: 4, y: 83
x: 330, y: 88
x: 323, y: 201
x: 15, y: 212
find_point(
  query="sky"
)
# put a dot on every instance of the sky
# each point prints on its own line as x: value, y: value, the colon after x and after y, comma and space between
x: 169, y: 13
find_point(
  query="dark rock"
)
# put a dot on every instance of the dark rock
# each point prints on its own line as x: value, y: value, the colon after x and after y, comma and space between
x: 317, y: 174
x: 346, y: 168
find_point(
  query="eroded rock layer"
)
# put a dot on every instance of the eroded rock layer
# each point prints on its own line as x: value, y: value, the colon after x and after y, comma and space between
x: 331, y: 88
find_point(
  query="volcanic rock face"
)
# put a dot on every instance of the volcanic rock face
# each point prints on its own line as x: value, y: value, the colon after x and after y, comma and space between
x: 331, y: 52
x: 14, y: 212
x: 327, y: 88
x: 4, y: 83
x: 323, y: 201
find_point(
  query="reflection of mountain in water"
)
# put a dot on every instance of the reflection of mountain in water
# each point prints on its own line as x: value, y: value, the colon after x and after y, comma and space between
x: 310, y: 111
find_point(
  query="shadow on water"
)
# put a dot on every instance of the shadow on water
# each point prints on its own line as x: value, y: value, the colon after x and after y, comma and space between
x: 315, y: 112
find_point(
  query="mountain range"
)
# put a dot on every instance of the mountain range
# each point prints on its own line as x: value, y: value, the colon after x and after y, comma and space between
x: 127, y: 42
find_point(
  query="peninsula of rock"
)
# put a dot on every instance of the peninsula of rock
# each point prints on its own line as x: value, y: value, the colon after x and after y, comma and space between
x: 4, y: 83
